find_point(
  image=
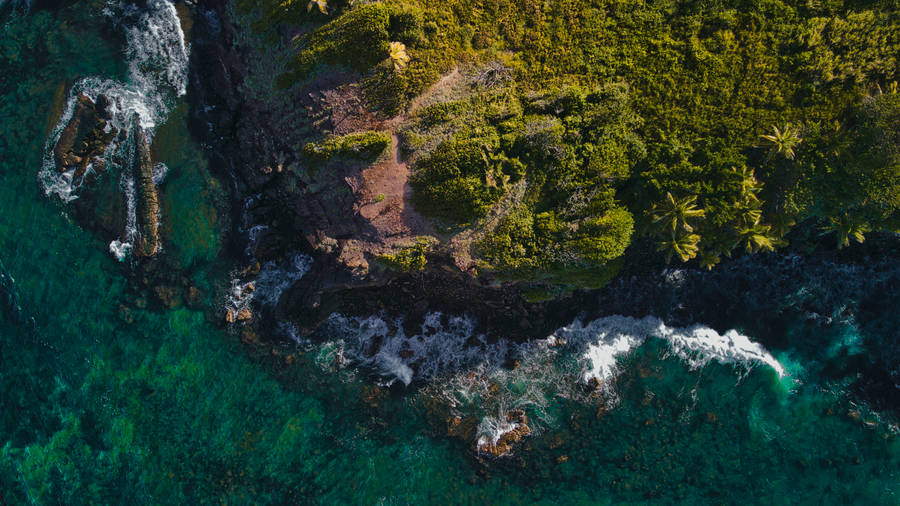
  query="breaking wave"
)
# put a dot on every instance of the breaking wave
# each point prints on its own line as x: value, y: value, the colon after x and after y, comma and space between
x: 608, y: 338
x: 475, y: 377
x: 448, y: 344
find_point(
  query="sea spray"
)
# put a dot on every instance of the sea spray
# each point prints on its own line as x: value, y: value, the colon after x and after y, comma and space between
x: 448, y: 344
x: 475, y: 377
x: 157, y: 57
x: 265, y: 289
x: 610, y: 337
x: 445, y: 344
x: 276, y: 277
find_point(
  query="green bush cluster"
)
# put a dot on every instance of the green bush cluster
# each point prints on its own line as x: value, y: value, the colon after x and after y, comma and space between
x: 579, y: 146
x: 357, y: 39
x: 540, y: 172
x: 409, y: 259
x: 848, y: 173
x: 463, y: 178
x: 364, y: 146
x: 440, y: 113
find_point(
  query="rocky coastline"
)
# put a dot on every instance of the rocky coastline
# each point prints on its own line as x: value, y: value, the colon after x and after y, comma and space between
x: 278, y: 209
x: 250, y: 146
x: 322, y: 214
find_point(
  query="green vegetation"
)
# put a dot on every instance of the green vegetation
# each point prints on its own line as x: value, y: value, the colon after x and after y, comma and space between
x: 711, y: 126
x: 363, y: 146
x: 546, y: 167
x: 108, y: 400
x: 408, y: 259
x: 463, y: 178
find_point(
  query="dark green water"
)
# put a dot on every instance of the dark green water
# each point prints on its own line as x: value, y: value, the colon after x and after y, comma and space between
x: 163, y: 407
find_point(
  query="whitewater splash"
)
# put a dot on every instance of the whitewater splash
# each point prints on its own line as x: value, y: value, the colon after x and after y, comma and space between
x: 448, y: 344
x: 607, y: 339
x: 489, y: 380
x: 266, y: 288
x: 445, y: 344
x: 157, y: 57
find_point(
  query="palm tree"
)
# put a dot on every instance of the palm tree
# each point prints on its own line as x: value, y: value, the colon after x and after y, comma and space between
x: 847, y: 227
x: 398, y: 55
x: 782, y: 224
x: 321, y: 4
x: 757, y: 238
x: 784, y: 141
x: 749, y: 216
x: 683, y: 245
x: 673, y: 214
x: 749, y: 185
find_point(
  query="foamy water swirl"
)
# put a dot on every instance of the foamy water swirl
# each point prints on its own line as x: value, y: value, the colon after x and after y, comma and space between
x: 157, y: 57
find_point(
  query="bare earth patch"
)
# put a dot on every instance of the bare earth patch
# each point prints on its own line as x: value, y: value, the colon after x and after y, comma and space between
x: 381, y: 192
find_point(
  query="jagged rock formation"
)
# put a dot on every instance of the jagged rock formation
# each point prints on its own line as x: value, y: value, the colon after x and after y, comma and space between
x: 84, y: 140
x: 517, y: 429
x: 148, y: 242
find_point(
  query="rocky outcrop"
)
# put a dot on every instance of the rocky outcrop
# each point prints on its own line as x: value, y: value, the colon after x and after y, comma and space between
x: 148, y: 242
x: 497, y: 309
x: 341, y: 213
x: 514, y: 430
x: 85, y: 138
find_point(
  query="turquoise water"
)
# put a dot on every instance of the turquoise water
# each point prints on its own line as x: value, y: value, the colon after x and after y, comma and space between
x: 106, y: 398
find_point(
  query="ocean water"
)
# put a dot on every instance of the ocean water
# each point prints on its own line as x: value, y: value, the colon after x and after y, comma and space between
x: 108, y: 396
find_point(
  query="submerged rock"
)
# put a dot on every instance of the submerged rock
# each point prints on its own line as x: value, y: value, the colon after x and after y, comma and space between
x: 167, y: 295
x: 193, y: 297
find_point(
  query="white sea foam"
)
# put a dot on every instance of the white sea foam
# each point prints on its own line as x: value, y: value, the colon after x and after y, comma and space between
x: 491, y: 429
x: 607, y: 339
x: 444, y: 345
x: 120, y: 249
x: 157, y: 57
x: 266, y: 289
x: 472, y: 377
x: 157, y: 53
x: 448, y: 344
x: 276, y: 277
x: 698, y: 345
x: 160, y: 171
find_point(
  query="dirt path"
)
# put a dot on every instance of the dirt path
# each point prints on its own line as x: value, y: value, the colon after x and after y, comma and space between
x: 382, y: 191
x: 384, y: 199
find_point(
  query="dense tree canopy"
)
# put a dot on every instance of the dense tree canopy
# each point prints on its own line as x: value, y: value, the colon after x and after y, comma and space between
x: 584, y: 119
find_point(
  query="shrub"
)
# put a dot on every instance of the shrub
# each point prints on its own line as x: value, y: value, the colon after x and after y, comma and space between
x: 358, y: 39
x: 409, y: 259
x: 440, y: 113
x: 601, y: 239
x: 363, y: 146
x: 454, y: 181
